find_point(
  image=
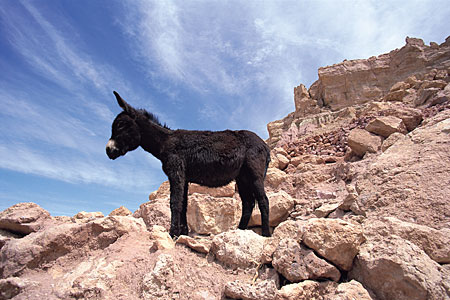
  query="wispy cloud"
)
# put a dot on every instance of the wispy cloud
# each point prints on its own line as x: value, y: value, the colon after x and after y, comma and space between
x: 259, y: 50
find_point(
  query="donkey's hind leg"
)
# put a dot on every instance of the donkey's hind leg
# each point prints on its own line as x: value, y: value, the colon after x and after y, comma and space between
x: 248, y: 201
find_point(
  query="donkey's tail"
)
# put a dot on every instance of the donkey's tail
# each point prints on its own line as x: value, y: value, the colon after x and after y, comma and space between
x: 267, y: 163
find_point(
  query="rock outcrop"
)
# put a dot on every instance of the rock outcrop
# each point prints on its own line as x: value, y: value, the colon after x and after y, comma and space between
x: 358, y: 189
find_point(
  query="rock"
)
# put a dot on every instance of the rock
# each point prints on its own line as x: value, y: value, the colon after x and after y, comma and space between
x: 435, y: 243
x: 89, y: 279
x: 162, y: 192
x: 290, y: 229
x: 394, y: 268
x: 162, y: 238
x: 264, y: 290
x: 209, y: 215
x: 391, y: 140
x: 155, y: 212
x: 280, y: 206
x: 307, y: 289
x: 351, y: 290
x: 83, y: 216
x: 275, y: 177
x: 238, y: 248
x: 223, y: 191
x: 326, y: 209
x: 43, y: 247
x: 12, y: 286
x: 295, y: 161
x: 283, y: 161
x: 361, y: 141
x: 24, y: 218
x: 199, y: 245
x: 409, y: 180
x: 336, y: 240
x: 359, y: 81
x: 121, y: 211
x: 6, y: 236
x: 297, y: 263
x: 411, y: 117
x: 385, y: 126
x: 158, y: 284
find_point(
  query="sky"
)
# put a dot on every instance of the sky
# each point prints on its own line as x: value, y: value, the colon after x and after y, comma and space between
x: 209, y: 65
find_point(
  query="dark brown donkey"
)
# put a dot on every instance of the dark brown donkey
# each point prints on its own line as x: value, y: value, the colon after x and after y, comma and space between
x: 207, y: 158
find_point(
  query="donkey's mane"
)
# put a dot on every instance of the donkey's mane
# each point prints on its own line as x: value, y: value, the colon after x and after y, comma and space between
x: 152, y: 118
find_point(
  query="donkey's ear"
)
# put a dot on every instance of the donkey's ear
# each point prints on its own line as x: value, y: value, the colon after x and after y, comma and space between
x: 125, y: 106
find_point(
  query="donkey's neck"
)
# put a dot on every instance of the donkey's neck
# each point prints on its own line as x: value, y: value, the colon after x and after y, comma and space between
x: 153, y: 137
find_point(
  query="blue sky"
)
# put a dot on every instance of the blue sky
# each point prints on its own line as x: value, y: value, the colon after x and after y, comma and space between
x: 196, y: 64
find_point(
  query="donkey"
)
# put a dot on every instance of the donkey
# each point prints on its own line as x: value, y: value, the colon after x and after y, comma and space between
x: 207, y: 158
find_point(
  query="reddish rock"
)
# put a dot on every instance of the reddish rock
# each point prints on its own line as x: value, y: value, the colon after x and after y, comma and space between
x: 362, y: 141
x: 24, y: 218
x: 385, y: 126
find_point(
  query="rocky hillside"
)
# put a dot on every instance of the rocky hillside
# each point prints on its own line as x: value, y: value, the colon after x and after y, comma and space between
x: 358, y: 185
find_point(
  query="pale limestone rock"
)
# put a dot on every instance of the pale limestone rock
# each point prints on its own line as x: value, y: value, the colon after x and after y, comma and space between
x: 238, y: 248
x: 275, y: 177
x: 162, y: 239
x: 223, y: 191
x: 325, y: 209
x: 362, y: 141
x: 155, y: 212
x: 158, y: 284
x: 386, y: 125
x: 84, y: 217
x: 307, y: 289
x: 91, y: 276
x: 297, y: 263
x: 33, y: 250
x: 24, y: 218
x: 283, y: 161
x: 336, y: 240
x: 391, y: 140
x: 435, y: 243
x: 394, y: 268
x: 264, y: 290
x: 120, y: 211
x: 162, y: 192
x: 409, y: 179
x: 359, y: 81
x: 199, y: 245
x: 209, y: 215
x: 352, y: 290
x: 280, y: 205
x: 295, y: 161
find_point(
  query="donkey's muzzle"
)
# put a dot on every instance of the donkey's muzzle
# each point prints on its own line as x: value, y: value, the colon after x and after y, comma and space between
x: 112, y: 151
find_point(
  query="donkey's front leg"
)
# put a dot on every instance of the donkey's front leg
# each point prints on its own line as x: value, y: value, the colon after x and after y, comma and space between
x: 175, y: 171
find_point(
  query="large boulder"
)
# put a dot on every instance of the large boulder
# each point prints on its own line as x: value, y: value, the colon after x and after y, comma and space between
x: 42, y: 248
x: 280, y: 206
x: 155, y: 212
x: 24, y: 218
x: 238, y: 248
x: 336, y: 240
x: 297, y: 263
x: 264, y: 290
x: 435, y: 243
x: 212, y: 215
x: 394, y: 268
x: 386, y: 125
x: 410, y: 179
x: 362, y: 141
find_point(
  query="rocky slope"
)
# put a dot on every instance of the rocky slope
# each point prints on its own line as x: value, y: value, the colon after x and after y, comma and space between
x: 358, y: 188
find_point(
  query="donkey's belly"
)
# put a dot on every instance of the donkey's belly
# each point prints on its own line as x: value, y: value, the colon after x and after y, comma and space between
x: 214, y: 176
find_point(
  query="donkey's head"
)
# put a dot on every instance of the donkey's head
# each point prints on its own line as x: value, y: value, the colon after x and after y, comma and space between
x: 125, y: 131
